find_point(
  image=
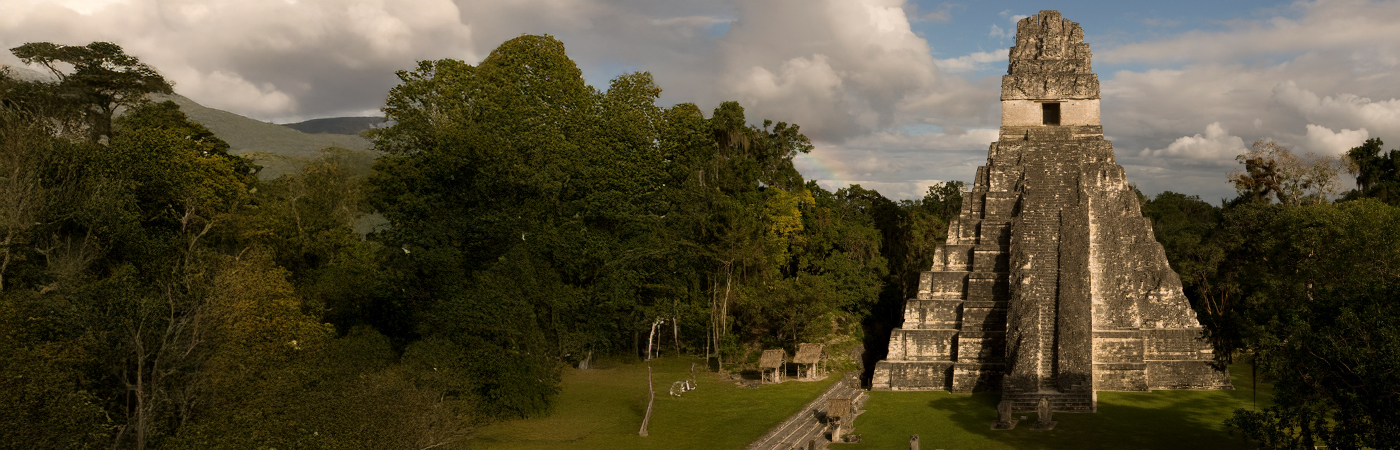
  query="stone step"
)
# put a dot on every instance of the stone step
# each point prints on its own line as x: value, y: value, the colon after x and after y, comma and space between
x: 810, y: 423
x: 1059, y: 401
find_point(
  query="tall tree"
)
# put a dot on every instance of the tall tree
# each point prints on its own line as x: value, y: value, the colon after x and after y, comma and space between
x: 96, y: 80
x: 1377, y: 172
x: 1272, y: 171
x: 1318, y: 319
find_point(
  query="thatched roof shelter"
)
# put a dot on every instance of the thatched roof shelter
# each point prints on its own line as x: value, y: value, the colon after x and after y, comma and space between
x: 838, y: 407
x: 808, y: 354
x: 772, y: 359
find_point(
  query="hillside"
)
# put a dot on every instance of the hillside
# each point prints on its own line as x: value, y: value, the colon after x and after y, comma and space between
x: 337, y: 125
x: 278, y: 149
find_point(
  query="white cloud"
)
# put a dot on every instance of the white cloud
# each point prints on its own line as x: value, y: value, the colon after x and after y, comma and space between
x: 1341, y: 25
x: 999, y: 33
x: 1216, y: 145
x: 1326, y: 66
x: 1342, y: 109
x: 1323, y: 141
x: 973, y: 62
x: 87, y: 7
x: 851, y: 73
x: 839, y: 68
x: 1013, y: 18
x: 899, y: 163
x: 234, y: 92
x: 268, y: 59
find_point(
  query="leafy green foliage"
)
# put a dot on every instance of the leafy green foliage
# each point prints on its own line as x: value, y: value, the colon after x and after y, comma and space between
x: 43, y: 401
x: 1302, y: 289
x: 94, y: 81
x: 1321, y: 294
x: 1274, y: 172
x: 154, y: 294
x: 1377, y: 172
x: 1198, y: 246
x: 536, y: 221
x: 944, y: 200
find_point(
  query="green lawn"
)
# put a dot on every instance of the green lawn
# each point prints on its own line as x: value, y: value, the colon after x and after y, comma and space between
x: 603, y: 408
x: 1139, y: 420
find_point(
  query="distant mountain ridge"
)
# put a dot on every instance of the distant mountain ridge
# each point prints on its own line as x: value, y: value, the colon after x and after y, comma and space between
x: 278, y: 149
x: 337, y: 125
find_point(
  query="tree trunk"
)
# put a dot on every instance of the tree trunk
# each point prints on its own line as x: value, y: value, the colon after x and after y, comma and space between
x: 5, y: 247
x: 650, y: 336
x: 724, y: 312
x: 651, y: 400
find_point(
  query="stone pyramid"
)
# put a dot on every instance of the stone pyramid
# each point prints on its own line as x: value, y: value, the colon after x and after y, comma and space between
x: 1051, y: 284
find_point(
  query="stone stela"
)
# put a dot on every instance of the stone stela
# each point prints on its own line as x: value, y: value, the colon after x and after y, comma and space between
x: 1051, y: 284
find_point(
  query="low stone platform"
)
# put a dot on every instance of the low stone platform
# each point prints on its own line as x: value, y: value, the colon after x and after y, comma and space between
x: 810, y: 423
x: 1059, y: 401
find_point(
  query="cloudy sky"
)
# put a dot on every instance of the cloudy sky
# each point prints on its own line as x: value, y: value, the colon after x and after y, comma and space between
x: 895, y: 94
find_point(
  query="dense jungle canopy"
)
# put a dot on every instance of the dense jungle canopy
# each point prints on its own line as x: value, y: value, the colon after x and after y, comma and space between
x: 155, y: 293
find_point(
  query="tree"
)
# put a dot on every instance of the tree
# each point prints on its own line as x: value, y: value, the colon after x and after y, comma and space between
x: 500, y: 173
x: 1321, y: 298
x: 1272, y: 171
x: 102, y: 80
x: 47, y: 397
x: 1377, y: 172
x: 345, y: 393
x: 944, y: 200
x: 1197, y: 247
x: 22, y: 193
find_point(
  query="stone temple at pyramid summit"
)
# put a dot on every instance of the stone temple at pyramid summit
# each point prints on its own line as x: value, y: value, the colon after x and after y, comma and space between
x: 1051, y: 284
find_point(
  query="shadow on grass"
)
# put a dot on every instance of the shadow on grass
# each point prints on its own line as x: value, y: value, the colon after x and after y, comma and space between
x: 603, y: 409
x: 1124, y: 420
x: 1160, y: 419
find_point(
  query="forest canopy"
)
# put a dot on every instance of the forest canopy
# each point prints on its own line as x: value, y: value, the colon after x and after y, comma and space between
x: 156, y: 293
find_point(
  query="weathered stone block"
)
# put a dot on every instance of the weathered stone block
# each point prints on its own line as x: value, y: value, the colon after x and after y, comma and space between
x: 990, y: 258
x: 911, y: 376
x: 947, y: 282
x: 976, y: 377
x: 994, y: 233
x: 999, y: 205
x: 934, y: 314
x: 1121, y: 347
x: 1186, y: 375
x: 977, y: 317
x: 956, y: 257
x: 1060, y: 86
x: 1120, y: 377
x: 1182, y: 344
x: 921, y: 345
x: 987, y: 286
x: 984, y: 346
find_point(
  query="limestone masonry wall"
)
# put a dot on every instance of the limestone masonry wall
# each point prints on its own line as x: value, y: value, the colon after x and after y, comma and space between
x: 1027, y: 113
x: 1050, y: 284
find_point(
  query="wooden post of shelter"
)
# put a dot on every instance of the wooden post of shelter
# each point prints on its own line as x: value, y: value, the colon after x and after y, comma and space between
x: 808, y: 357
x: 772, y: 359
